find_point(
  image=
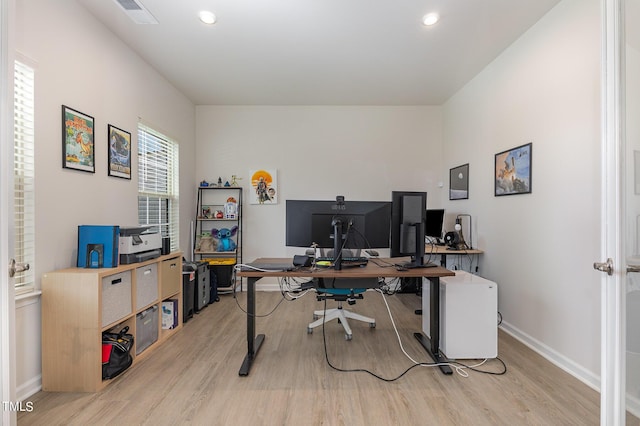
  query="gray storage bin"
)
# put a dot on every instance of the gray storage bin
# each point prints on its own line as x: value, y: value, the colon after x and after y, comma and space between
x: 146, y: 285
x: 146, y: 328
x: 116, y: 297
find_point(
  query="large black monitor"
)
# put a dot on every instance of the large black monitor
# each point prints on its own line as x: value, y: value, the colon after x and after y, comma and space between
x: 408, y: 219
x: 434, y: 221
x: 362, y: 224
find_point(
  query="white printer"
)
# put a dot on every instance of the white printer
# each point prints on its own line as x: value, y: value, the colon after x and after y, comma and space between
x: 137, y: 244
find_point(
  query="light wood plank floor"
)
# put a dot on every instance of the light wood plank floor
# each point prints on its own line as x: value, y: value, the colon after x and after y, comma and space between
x: 193, y: 378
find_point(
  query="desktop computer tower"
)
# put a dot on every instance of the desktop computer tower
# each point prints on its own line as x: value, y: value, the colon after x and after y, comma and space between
x: 468, y: 316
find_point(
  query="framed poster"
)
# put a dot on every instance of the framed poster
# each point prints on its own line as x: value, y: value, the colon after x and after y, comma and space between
x: 513, y: 171
x: 77, y: 140
x: 119, y: 152
x: 459, y: 182
x: 264, y: 184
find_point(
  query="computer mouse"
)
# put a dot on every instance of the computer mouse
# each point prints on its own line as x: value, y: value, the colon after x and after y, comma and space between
x: 372, y: 253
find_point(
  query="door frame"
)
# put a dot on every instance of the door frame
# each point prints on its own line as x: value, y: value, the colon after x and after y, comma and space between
x: 612, y: 387
x: 7, y: 292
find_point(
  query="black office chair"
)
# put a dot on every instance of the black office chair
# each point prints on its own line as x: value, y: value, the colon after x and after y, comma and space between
x: 342, y: 294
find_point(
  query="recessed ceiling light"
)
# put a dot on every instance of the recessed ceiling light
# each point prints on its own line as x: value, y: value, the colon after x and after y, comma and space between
x: 430, y: 19
x: 207, y: 17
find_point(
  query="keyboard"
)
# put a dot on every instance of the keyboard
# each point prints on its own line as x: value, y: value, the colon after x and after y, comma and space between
x: 344, y: 259
x: 267, y: 267
x: 347, y: 261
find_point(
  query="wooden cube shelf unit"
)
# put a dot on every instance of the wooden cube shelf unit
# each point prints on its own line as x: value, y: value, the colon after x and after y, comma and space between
x: 79, y: 304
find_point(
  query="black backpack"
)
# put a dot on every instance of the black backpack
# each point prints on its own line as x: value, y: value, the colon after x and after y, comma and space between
x: 116, y: 353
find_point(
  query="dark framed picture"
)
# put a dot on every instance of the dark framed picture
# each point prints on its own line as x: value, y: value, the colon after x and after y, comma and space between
x: 78, y: 140
x: 459, y: 182
x: 513, y: 171
x: 119, y: 152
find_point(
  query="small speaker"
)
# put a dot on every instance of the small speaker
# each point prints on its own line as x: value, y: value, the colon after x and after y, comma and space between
x: 451, y: 239
x: 166, y: 245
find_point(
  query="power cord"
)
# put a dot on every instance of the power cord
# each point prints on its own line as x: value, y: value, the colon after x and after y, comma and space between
x: 457, y: 366
x: 286, y: 295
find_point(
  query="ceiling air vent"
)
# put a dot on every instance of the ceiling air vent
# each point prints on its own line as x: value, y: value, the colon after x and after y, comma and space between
x: 136, y: 11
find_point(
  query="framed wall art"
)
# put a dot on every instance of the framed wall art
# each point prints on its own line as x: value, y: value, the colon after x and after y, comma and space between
x: 459, y: 182
x: 513, y: 171
x: 264, y: 184
x: 119, y: 152
x: 77, y: 140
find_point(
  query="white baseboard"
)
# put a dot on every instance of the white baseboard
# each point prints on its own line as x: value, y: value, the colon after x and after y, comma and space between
x: 633, y: 405
x: 587, y: 377
x: 25, y: 390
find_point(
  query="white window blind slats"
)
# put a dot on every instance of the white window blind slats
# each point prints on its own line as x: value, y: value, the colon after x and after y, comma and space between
x: 158, y: 183
x: 24, y: 173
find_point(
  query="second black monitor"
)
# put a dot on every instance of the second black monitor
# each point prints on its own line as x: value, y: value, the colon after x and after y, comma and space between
x: 434, y: 223
x: 408, y: 222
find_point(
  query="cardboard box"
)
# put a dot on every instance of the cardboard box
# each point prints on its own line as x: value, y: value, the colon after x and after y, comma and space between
x: 169, y: 314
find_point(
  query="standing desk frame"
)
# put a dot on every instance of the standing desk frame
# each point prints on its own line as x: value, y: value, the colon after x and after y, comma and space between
x: 371, y: 270
x: 444, y: 251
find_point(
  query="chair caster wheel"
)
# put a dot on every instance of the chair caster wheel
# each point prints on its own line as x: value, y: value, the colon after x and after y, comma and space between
x: 348, y: 336
x: 309, y: 330
x: 372, y: 325
x: 315, y: 317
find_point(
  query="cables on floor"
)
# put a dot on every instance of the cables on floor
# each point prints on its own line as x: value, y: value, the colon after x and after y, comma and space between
x: 459, y: 367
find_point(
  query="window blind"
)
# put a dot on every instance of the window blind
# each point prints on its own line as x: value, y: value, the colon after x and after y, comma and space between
x: 24, y: 173
x: 158, y: 183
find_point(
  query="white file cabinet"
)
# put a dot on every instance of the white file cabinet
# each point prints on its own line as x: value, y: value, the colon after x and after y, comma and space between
x: 468, y: 316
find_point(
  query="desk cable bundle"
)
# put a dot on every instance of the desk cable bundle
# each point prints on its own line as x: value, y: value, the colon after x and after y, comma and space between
x: 459, y: 367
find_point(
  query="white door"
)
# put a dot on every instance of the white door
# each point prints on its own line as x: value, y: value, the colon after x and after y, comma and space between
x: 621, y: 212
x: 612, y: 407
x: 631, y: 197
x: 7, y: 299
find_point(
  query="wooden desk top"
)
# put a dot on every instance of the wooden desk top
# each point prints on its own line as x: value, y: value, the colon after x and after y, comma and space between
x: 376, y: 267
x: 436, y: 249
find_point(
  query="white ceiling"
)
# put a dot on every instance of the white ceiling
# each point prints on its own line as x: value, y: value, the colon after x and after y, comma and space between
x: 322, y: 52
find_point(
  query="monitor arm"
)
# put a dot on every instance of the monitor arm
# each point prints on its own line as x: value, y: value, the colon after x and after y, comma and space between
x: 337, y: 243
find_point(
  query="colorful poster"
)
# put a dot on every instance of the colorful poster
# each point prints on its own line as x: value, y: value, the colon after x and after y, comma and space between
x: 264, y: 184
x: 77, y: 140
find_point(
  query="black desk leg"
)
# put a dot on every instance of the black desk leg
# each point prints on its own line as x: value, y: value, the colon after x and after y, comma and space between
x: 432, y: 345
x: 253, y: 342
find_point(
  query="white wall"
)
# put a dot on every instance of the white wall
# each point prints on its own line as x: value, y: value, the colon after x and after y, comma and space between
x: 82, y: 65
x: 362, y: 153
x: 540, y: 247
